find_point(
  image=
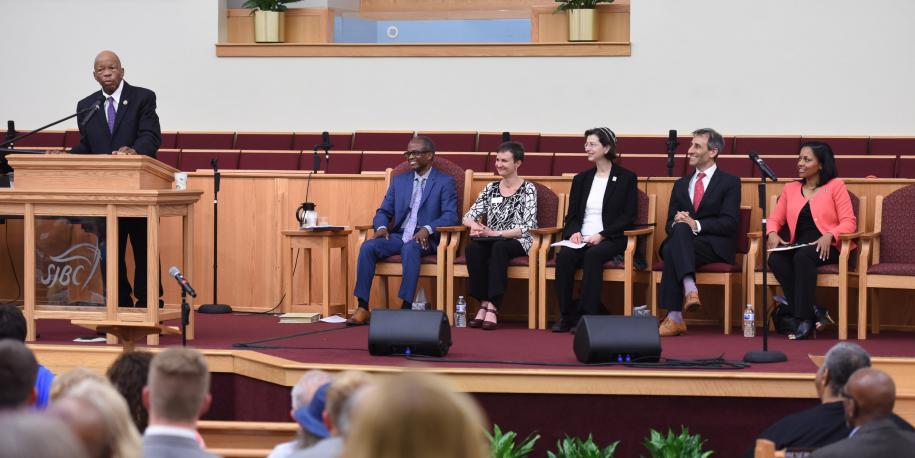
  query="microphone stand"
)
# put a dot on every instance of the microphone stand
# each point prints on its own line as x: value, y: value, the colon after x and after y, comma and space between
x: 6, y: 148
x: 185, y: 317
x: 215, y: 307
x: 764, y: 356
x: 671, y: 148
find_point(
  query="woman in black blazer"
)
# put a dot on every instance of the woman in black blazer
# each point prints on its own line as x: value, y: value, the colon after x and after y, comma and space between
x: 602, y: 204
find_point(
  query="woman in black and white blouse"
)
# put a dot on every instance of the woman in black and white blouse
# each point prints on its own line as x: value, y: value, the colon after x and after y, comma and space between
x: 603, y: 202
x: 509, y: 209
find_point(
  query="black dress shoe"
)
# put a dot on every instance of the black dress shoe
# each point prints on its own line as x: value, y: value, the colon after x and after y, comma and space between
x: 822, y: 316
x: 804, y: 330
x: 562, y: 326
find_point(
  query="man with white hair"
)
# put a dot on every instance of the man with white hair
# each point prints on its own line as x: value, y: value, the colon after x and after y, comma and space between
x: 302, y: 393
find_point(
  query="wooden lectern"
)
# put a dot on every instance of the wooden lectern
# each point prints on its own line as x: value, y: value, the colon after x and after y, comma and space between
x: 106, y: 186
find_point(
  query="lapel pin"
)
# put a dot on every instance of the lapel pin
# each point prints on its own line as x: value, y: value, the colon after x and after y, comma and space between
x: 125, y: 103
x: 614, y: 178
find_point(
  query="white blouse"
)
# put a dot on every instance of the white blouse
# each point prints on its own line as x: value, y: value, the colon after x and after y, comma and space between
x: 594, y: 220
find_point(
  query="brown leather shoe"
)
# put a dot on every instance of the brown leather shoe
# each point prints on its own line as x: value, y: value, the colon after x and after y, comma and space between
x: 670, y: 328
x: 691, y: 302
x: 360, y: 317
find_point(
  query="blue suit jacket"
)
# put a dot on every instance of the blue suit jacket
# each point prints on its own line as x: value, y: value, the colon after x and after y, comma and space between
x: 438, y: 206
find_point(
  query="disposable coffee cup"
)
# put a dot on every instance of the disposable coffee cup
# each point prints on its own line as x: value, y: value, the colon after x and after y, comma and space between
x: 180, y: 180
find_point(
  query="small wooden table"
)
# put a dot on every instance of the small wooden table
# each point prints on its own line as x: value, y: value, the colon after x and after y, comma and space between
x: 128, y: 332
x: 309, y: 241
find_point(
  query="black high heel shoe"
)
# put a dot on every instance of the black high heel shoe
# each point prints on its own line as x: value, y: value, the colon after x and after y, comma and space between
x: 804, y: 330
x: 822, y: 316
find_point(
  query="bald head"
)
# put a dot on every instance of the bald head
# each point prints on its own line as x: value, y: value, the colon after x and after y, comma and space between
x: 870, y: 394
x: 107, y: 71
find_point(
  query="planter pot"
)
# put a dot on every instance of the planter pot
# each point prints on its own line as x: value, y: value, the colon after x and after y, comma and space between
x: 268, y: 27
x: 583, y: 25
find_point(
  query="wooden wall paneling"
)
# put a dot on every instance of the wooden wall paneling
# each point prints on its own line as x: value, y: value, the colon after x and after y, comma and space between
x: 550, y: 27
x: 302, y: 25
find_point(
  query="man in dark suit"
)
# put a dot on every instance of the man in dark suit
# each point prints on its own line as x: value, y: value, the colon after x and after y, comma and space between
x: 701, y: 228
x: 176, y: 396
x: 127, y: 124
x: 868, y: 399
x: 824, y: 424
x: 415, y: 204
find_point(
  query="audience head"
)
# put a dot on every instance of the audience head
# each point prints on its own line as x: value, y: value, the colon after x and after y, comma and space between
x: 409, y: 415
x: 337, y: 412
x: 99, y: 416
x: 869, y: 395
x: 310, y: 417
x: 600, y: 142
x: 420, y: 153
x: 68, y: 380
x: 508, y: 159
x: 107, y: 71
x: 12, y: 323
x: 37, y: 434
x: 178, y: 390
x: 815, y: 160
x: 18, y: 371
x: 705, y: 147
x: 129, y: 374
x: 842, y: 360
x: 305, y: 388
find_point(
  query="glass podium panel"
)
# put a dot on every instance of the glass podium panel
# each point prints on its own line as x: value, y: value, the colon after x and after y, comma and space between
x: 70, y: 261
x: 393, y: 28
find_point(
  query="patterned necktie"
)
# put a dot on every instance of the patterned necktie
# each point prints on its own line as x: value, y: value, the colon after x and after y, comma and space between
x: 698, y: 191
x: 410, y: 224
x: 111, y: 115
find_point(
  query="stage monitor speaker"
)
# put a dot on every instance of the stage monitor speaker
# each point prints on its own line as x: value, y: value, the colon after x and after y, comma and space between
x: 414, y: 332
x: 613, y: 338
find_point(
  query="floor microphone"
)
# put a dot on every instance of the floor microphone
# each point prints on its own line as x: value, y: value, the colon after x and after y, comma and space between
x: 174, y: 272
x: 672, y: 144
x: 506, y: 137
x: 763, y: 167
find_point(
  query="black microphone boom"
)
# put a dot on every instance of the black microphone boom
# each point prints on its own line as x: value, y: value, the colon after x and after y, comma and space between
x: 672, y: 144
x: 174, y: 272
x: 763, y: 167
x: 92, y: 110
x: 29, y: 134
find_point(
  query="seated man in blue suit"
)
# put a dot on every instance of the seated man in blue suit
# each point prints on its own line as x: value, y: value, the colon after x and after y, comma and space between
x: 415, y: 204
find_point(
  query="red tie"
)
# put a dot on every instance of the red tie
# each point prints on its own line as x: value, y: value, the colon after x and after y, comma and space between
x: 698, y: 190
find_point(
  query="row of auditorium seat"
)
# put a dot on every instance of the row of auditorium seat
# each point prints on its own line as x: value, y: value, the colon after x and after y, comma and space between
x: 535, y: 164
x: 489, y: 141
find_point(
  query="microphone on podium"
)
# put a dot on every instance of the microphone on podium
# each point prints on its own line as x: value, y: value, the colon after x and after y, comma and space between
x: 92, y: 110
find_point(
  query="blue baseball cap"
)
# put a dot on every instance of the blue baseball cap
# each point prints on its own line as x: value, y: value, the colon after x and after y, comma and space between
x: 310, y: 417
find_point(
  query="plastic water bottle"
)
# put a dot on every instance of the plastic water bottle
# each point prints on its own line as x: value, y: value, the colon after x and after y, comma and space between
x: 460, y: 313
x: 749, y: 322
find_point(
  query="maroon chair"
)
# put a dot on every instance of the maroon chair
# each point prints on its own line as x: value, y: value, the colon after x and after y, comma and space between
x: 767, y: 145
x: 653, y: 165
x: 169, y: 156
x: 205, y: 140
x: 490, y: 141
x: 892, y: 146
x: 452, y: 141
x: 741, y: 166
x: 71, y: 138
x: 195, y: 159
x: 382, y: 141
x: 783, y: 166
x: 269, y: 160
x: 274, y: 141
x: 570, y: 163
x: 866, y: 166
x: 905, y: 167
x: 843, y: 146
x: 341, y: 162
x: 535, y: 165
x: 306, y: 141
x: 562, y: 143
x: 169, y: 140
x: 379, y: 161
x: 53, y: 139
x: 469, y: 161
x: 657, y: 144
x: 717, y: 273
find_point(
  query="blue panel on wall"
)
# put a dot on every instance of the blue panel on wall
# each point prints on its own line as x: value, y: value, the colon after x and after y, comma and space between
x: 358, y: 30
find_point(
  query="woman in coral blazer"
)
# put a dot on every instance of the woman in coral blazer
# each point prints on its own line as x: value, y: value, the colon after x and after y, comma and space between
x: 817, y: 210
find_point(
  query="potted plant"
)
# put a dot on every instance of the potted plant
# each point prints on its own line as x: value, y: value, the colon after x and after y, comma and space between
x: 268, y: 19
x: 574, y: 447
x: 582, y: 18
x: 683, y: 445
x: 502, y: 444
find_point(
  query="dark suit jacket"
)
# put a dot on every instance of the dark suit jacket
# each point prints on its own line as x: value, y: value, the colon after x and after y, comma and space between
x: 878, y: 438
x: 437, y: 207
x: 620, y: 202
x: 136, y: 124
x: 717, y: 214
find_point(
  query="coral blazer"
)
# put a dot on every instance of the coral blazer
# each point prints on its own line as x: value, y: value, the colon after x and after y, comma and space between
x: 830, y: 207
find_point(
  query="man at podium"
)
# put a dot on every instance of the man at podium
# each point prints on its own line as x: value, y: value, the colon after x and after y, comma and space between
x: 127, y: 124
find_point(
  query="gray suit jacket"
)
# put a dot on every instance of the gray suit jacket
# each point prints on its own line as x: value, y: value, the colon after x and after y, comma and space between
x: 326, y: 448
x: 878, y: 438
x: 163, y: 446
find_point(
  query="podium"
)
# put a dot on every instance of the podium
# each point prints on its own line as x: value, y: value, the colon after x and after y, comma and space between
x: 109, y: 187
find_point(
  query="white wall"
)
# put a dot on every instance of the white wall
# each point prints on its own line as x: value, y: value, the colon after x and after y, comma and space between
x: 776, y: 66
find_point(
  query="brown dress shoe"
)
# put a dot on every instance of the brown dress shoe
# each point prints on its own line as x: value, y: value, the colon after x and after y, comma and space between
x: 691, y: 302
x: 670, y: 328
x: 360, y: 318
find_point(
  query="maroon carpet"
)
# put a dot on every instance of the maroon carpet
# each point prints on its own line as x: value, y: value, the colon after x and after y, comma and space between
x: 333, y: 343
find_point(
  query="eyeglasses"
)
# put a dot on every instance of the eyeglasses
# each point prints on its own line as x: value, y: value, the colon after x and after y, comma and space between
x: 409, y: 154
x: 593, y: 145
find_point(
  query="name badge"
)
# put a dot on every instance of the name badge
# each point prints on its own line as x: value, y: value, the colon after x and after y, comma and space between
x: 496, y: 200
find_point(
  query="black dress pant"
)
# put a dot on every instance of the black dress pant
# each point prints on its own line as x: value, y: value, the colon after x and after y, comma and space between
x: 796, y: 271
x: 487, y: 264
x: 682, y: 253
x: 135, y: 229
x: 591, y: 260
